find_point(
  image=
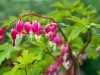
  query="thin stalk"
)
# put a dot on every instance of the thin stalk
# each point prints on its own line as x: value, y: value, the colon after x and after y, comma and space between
x: 25, y: 71
x: 78, y: 67
x: 89, y: 40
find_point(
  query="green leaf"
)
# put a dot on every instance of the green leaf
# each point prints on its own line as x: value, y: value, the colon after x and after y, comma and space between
x: 77, y: 20
x: 38, y: 64
x: 85, y: 20
x: 5, y: 53
x: 92, y: 54
x: 58, y: 4
x: 25, y: 56
x: 95, y: 41
x: 20, y: 60
x: 75, y: 33
x: 16, y: 67
x: 4, y: 46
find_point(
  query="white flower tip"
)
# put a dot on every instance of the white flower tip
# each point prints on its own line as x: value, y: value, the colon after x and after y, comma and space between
x: 51, y: 43
x: 66, y: 65
x: 37, y: 37
x: 30, y: 35
x: 65, y: 57
x: 19, y: 36
x: 54, y: 47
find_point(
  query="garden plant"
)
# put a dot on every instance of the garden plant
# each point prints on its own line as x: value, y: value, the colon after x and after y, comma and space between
x: 56, y: 43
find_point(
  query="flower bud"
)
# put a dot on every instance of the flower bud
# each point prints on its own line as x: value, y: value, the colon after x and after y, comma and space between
x: 1, y: 37
x: 58, y: 39
x: 50, y: 27
x: 27, y: 27
x: 13, y: 33
x: 19, y: 26
x: 36, y: 27
x: 2, y: 31
x: 64, y: 48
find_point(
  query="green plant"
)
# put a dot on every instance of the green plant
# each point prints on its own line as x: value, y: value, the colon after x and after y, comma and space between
x: 72, y: 43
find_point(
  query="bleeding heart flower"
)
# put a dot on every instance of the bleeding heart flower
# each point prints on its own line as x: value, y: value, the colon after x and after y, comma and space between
x: 2, y: 30
x: 66, y: 64
x: 13, y: 33
x: 9, y: 62
x: 28, y: 28
x: 50, y: 27
x: 52, y: 36
x: 55, y: 39
x: 1, y: 37
x: 19, y: 26
x: 64, y: 48
x: 72, y: 70
x: 58, y: 39
x: 52, y: 69
x: 37, y: 29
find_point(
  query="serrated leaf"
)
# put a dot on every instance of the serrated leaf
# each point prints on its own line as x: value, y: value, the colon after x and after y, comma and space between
x: 91, y: 54
x: 20, y: 60
x: 95, y: 41
x: 5, y: 54
x: 85, y: 20
x: 58, y: 4
x: 77, y: 20
x: 25, y: 56
x: 16, y: 67
x: 4, y: 46
x: 97, y: 25
x: 38, y: 64
x: 75, y: 33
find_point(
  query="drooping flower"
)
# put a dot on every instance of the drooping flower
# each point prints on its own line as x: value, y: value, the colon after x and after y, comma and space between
x: 58, y: 39
x: 72, y: 70
x: 9, y: 62
x: 49, y: 70
x: 1, y: 37
x: 52, y: 68
x: 67, y: 64
x: 37, y: 29
x: 55, y: 39
x: 2, y: 30
x: 13, y: 33
x: 1, y: 33
x: 50, y: 28
x: 19, y: 27
x: 64, y: 48
x: 28, y: 28
x: 51, y: 38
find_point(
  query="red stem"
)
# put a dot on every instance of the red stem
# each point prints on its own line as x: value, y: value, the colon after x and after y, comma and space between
x: 89, y: 40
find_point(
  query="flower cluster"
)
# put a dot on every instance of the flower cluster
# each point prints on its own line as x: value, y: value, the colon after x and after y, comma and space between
x: 36, y: 28
x: 1, y: 33
x: 54, y: 38
x: 81, y: 57
x: 63, y: 59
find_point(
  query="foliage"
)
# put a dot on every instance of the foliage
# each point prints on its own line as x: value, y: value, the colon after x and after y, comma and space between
x: 78, y: 28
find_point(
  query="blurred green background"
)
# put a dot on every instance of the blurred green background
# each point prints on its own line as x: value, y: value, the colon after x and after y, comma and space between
x: 42, y: 7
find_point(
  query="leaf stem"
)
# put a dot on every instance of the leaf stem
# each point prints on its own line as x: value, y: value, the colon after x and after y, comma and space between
x: 26, y: 70
x: 89, y: 40
x: 78, y: 67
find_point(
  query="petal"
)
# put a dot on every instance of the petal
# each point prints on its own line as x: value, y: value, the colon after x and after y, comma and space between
x: 27, y: 27
x: 1, y: 37
x: 37, y: 37
x: 19, y: 25
x: 31, y: 35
